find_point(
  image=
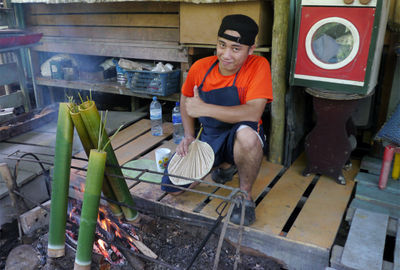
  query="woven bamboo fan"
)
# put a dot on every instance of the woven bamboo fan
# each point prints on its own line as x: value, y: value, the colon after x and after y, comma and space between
x: 196, y: 164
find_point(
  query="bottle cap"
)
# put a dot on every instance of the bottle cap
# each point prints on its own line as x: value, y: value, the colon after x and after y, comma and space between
x: 154, y: 98
x: 177, y: 104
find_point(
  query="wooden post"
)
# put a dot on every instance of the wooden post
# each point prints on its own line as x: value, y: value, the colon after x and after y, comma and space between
x: 278, y: 71
x: 5, y: 58
x: 17, y: 202
x: 394, y: 14
x: 134, y: 104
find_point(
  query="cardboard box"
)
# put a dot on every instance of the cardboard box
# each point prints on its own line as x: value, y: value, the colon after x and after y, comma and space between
x: 199, y: 23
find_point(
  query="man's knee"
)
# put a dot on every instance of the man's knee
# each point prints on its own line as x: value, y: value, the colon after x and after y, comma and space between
x: 247, y: 138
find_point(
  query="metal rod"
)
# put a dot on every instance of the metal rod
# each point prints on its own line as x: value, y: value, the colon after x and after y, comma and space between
x: 37, y: 94
x: 228, y: 198
x: 203, y: 243
x: 231, y: 198
x: 221, y: 238
x: 104, y: 239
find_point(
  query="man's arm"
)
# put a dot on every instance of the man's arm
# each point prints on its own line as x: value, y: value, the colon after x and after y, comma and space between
x: 188, y: 126
x: 251, y: 111
x: 187, y: 121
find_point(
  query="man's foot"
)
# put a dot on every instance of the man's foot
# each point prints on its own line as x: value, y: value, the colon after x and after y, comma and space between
x: 249, y: 213
x: 221, y: 176
x: 192, y: 185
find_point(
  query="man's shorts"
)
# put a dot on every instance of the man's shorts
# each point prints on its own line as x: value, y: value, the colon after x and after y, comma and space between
x: 224, y: 154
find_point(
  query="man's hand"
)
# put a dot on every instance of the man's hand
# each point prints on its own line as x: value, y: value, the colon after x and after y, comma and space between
x: 195, y: 106
x: 183, y: 147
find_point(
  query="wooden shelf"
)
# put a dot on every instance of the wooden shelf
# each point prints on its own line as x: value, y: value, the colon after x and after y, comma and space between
x: 17, y: 47
x: 263, y: 49
x: 105, y: 87
x: 156, y: 51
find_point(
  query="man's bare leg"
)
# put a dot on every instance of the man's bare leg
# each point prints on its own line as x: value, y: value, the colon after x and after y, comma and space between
x: 248, y: 156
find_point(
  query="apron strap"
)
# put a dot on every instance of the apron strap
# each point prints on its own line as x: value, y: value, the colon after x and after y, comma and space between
x: 234, y: 80
x: 208, y: 72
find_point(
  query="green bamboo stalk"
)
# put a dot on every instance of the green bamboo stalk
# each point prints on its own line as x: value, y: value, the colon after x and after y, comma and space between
x: 60, y: 185
x: 90, y: 209
x: 91, y: 118
x: 87, y: 146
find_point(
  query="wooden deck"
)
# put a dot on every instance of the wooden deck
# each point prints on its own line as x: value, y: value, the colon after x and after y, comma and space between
x: 297, y: 217
x: 373, y: 241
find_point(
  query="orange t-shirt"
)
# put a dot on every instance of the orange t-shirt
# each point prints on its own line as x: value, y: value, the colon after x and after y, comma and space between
x: 253, y: 80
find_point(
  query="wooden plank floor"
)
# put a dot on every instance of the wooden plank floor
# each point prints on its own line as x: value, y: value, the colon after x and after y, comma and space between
x: 302, y: 213
x: 297, y: 217
x: 366, y: 241
x: 372, y: 243
x: 320, y: 217
x: 373, y: 215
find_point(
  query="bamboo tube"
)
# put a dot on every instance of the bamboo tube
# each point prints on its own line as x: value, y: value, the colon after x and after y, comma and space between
x: 90, y: 209
x: 88, y: 145
x: 91, y: 118
x: 60, y: 185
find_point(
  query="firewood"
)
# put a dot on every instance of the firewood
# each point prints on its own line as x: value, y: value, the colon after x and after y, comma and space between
x: 144, y: 249
x: 17, y: 202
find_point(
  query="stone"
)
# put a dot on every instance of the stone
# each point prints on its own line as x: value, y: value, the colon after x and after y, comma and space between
x: 23, y: 257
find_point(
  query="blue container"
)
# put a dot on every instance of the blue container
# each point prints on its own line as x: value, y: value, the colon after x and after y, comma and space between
x: 154, y: 83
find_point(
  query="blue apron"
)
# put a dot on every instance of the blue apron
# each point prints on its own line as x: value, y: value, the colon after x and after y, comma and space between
x: 221, y: 135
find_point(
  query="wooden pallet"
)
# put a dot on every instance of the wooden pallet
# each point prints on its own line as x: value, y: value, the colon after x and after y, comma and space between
x: 366, y: 242
x: 297, y: 217
x: 374, y: 216
x: 368, y: 196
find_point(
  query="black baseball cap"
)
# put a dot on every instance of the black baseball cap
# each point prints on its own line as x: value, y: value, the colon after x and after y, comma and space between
x: 244, y: 25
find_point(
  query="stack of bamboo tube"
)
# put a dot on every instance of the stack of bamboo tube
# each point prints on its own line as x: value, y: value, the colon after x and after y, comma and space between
x: 96, y: 143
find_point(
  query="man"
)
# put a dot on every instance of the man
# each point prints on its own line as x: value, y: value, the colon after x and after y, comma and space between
x: 228, y: 93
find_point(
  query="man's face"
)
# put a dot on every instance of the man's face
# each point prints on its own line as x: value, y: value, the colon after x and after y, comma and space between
x: 231, y: 55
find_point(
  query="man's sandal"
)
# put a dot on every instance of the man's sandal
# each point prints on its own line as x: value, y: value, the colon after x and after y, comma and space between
x: 221, y: 176
x: 249, y: 212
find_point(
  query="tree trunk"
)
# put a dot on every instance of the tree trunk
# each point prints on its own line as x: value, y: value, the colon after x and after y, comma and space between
x: 278, y: 70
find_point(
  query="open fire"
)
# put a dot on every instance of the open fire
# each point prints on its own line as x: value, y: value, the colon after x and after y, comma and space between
x: 110, y: 233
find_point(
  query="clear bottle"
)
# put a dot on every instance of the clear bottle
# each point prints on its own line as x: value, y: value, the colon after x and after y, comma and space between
x: 177, y: 123
x: 155, y: 85
x: 156, y: 117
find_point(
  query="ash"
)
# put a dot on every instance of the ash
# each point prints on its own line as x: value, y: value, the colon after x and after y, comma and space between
x: 174, y: 241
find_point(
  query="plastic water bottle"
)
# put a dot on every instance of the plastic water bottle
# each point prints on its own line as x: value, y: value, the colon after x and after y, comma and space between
x: 156, y: 117
x: 177, y: 123
x: 155, y: 85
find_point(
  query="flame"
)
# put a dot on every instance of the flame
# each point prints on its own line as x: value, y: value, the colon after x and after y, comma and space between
x: 112, y: 228
x: 103, y: 224
x: 102, y: 248
x: 118, y: 233
x: 82, y: 189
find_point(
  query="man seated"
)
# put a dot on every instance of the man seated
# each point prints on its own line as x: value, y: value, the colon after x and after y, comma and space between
x: 227, y: 93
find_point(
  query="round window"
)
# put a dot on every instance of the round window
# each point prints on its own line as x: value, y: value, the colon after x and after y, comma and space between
x: 332, y: 43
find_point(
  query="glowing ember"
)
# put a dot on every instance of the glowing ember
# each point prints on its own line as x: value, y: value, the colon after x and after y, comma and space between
x: 107, y: 228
